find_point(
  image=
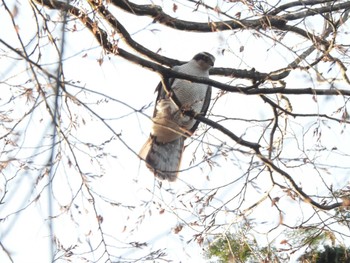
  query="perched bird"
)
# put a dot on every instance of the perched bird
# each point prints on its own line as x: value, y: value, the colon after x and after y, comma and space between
x: 162, y: 151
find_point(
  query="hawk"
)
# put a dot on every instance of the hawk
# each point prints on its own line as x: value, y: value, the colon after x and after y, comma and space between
x: 163, y: 149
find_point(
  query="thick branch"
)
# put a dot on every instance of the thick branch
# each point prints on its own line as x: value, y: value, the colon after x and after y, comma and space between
x: 161, y: 17
x: 286, y: 6
x: 102, y: 38
x: 247, y: 74
x: 267, y: 21
x: 118, y: 27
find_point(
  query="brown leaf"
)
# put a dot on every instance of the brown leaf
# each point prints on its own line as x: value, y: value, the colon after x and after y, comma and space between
x: 281, y: 218
x: 274, y: 201
x: 217, y: 9
x: 200, y: 240
x: 14, y: 11
x: 178, y: 228
x: 99, y: 219
x: 284, y: 242
x: 175, y: 7
x: 100, y: 61
x: 346, y: 202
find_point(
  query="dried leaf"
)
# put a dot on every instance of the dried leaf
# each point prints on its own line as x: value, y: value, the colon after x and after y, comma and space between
x: 100, y: 61
x: 274, y: 201
x: 175, y: 7
x: 200, y: 240
x: 99, y: 219
x: 346, y: 202
x: 14, y: 11
x: 281, y: 218
x: 284, y: 242
x: 217, y: 9
x: 178, y: 228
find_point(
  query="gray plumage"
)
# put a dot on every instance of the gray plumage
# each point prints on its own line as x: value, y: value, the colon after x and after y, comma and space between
x: 163, y: 149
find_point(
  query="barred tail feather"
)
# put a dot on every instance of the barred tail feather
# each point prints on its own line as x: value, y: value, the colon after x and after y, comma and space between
x: 163, y: 158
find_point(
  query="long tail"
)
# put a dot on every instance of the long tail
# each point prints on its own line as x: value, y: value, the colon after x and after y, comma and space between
x: 163, y: 158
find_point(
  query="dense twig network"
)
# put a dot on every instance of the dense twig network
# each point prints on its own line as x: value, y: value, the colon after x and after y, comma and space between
x: 270, y: 157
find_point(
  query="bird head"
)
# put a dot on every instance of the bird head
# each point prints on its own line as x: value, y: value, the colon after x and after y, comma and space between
x: 205, y: 60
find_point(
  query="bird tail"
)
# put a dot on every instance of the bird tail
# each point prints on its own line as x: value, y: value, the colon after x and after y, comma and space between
x: 163, y: 158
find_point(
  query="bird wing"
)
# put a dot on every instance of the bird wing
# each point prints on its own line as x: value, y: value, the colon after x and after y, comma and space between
x: 164, y: 158
x: 204, y: 108
x: 161, y: 94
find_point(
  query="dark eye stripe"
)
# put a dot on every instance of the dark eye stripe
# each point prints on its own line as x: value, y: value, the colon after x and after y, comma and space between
x: 207, y: 57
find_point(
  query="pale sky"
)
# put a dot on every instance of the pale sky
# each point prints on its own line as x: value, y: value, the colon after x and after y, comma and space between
x: 119, y: 176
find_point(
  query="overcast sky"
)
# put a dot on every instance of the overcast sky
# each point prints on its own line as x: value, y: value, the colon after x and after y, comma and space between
x: 143, y: 212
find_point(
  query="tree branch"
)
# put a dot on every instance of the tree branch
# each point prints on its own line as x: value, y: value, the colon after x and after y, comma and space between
x: 286, y: 6
x: 317, y: 11
x: 268, y: 162
x: 161, y: 17
x: 102, y: 37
